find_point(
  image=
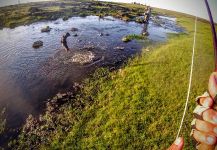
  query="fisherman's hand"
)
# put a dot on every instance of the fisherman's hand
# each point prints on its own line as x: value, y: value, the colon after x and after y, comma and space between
x: 205, y: 124
x: 177, y: 145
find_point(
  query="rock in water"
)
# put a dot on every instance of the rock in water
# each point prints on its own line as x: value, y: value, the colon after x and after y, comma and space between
x: 101, y: 34
x: 126, y: 39
x: 145, y: 34
x: 37, y: 44
x: 33, y: 10
x: 74, y: 29
x: 46, y: 29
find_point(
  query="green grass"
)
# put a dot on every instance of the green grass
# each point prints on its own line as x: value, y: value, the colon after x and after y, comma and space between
x: 2, y: 121
x: 138, y: 106
x: 133, y: 37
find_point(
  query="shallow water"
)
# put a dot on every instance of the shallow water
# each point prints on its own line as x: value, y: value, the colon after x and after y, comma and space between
x: 29, y: 76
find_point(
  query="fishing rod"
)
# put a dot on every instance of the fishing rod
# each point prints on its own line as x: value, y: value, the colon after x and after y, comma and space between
x: 192, y: 63
x: 213, y: 32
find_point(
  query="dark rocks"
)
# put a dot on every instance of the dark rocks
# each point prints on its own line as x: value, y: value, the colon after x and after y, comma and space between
x: 46, y: 29
x: 75, y: 35
x: 101, y: 34
x: 33, y: 10
x: 104, y: 34
x: 37, y: 44
x: 65, y: 18
x: 74, y: 29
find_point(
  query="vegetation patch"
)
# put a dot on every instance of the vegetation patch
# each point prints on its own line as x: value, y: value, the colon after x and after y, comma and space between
x: 131, y: 37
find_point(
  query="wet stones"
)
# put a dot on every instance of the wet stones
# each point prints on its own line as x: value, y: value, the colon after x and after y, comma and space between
x: 104, y: 34
x: 46, y: 29
x: 74, y: 29
x: 75, y: 35
x: 37, y: 44
x: 65, y: 18
x: 33, y: 10
x: 101, y: 34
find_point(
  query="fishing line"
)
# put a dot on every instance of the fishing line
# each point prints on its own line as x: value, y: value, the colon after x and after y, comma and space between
x: 190, y: 79
x: 192, y: 62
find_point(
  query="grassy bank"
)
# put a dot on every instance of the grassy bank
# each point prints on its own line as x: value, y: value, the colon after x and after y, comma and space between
x: 136, y: 107
x: 23, y: 14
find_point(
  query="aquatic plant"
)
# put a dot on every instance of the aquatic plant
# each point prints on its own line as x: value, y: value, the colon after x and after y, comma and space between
x: 131, y: 37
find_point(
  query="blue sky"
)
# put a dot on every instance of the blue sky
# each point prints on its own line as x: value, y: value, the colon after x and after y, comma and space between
x: 193, y: 7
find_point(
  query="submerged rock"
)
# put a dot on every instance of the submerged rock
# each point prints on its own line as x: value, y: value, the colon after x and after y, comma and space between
x: 65, y: 18
x: 37, y: 44
x: 101, y: 34
x: 74, y: 29
x: 46, y: 29
x: 104, y: 34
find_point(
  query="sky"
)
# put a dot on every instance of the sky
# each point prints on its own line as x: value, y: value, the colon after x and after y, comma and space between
x: 193, y: 7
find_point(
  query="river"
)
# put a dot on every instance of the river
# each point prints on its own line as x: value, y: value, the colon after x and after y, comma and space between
x: 28, y: 76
